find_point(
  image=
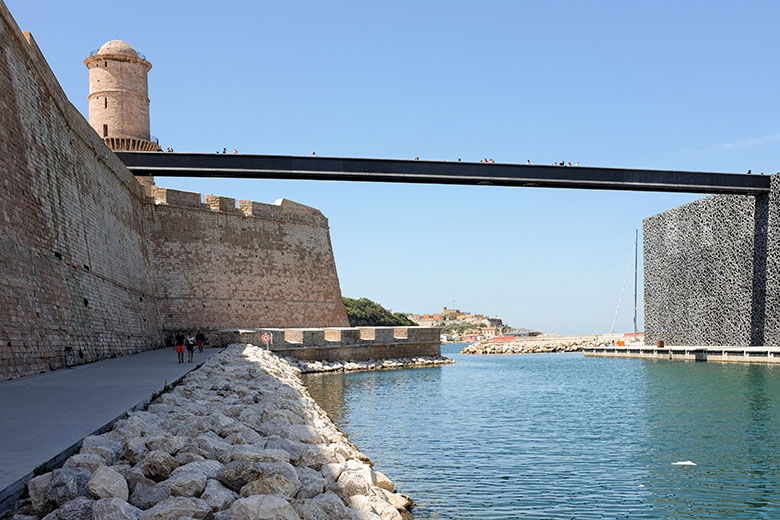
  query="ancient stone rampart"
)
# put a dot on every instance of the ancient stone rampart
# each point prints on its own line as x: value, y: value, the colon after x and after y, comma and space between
x: 216, y: 265
x: 342, y: 343
x: 91, y: 266
x: 712, y: 272
x: 73, y: 258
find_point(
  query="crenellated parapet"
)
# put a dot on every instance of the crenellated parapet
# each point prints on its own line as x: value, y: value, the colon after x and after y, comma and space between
x: 342, y: 343
x: 281, y: 209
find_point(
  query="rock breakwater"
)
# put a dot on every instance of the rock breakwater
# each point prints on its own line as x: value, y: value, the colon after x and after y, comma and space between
x: 238, y: 439
x: 539, y: 345
x: 308, y: 367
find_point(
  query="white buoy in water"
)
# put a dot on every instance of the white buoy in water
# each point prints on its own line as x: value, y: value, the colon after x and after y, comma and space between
x: 684, y: 463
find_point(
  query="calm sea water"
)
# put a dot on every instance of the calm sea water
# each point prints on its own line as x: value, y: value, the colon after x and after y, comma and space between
x: 565, y: 436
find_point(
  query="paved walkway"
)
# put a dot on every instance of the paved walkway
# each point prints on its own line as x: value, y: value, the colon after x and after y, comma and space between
x: 43, y: 415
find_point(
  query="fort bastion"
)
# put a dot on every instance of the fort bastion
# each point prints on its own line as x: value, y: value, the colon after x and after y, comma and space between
x: 95, y: 264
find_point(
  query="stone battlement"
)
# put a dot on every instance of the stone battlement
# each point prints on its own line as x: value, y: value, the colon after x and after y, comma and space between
x: 342, y: 343
x: 281, y: 209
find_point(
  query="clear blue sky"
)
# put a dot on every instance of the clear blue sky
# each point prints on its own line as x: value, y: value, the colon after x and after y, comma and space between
x: 684, y: 85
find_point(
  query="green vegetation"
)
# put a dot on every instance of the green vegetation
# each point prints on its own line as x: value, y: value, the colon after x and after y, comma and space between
x: 42, y: 468
x: 366, y: 313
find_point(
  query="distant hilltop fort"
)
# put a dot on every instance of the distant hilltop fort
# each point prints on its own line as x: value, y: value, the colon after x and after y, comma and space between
x: 97, y: 263
x: 434, y: 320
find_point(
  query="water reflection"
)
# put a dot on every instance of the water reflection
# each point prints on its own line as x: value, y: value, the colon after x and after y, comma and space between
x: 563, y: 436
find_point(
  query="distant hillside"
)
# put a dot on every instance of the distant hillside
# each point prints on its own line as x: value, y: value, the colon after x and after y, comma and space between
x: 366, y: 313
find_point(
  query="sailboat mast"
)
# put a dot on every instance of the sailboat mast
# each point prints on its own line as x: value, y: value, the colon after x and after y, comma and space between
x: 636, y: 263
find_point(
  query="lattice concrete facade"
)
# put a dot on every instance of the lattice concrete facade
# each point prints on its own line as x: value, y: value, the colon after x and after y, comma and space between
x: 94, y: 262
x: 712, y: 272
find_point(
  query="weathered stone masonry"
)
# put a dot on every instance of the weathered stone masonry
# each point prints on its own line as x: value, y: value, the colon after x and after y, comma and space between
x: 712, y: 272
x: 89, y: 262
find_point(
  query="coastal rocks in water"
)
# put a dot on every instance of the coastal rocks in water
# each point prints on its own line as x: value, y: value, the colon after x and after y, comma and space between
x: 357, y: 479
x: 538, y: 345
x: 308, y: 367
x: 238, y: 438
x: 107, y: 483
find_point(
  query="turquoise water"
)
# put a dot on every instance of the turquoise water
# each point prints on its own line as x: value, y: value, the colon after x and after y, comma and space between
x: 566, y: 436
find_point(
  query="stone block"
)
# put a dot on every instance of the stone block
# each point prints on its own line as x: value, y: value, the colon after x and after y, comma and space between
x: 377, y: 334
x: 222, y: 204
x: 171, y: 197
x: 343, y: 335
x: 305, y: 337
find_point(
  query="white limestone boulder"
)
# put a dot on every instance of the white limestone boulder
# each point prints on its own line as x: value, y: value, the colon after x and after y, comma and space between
x: 90, y: 461
x: 312, y: 482
x: 272, y: 478
x: 110, y: 450
x: 107, y: 483
x: 185, y: 483
x: 38, y: 489
x: 362, y: 508
x: 145, y: 497
x: 114, y: 509
x: 158, y: 465
x: 175, y: 508
x: 263, y: 507
x: 218, y: 496
x: 76, y: 509
x: 170, y: 444
x: 135, y: 449
x: 67, y: 484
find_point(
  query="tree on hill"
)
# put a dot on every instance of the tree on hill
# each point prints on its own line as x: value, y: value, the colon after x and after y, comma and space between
x: 366, y: 313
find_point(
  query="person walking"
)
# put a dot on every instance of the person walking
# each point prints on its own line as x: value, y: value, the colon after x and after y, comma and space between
x: 180, y: 346
x: 190, y: 348
x: 200, y: 338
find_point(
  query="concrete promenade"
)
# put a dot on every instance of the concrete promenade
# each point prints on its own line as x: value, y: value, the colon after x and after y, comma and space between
x: 43, y: 418
x: 726, y: 354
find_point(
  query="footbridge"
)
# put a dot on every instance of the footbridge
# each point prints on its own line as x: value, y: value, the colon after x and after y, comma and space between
x: 241, y: 166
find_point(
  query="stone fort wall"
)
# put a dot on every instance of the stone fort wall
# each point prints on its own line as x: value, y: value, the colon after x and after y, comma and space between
x: 215, y: 264
x: 91, y: 263
x: 74, y: 267
x: 712, y: 272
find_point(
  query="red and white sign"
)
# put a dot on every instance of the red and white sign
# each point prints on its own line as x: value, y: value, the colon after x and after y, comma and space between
x: 266, y: 337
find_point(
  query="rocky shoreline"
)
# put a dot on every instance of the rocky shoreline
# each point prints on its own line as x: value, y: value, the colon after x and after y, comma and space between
x: 237, y: 439
x: 311, y: 367
x: 537, y: 346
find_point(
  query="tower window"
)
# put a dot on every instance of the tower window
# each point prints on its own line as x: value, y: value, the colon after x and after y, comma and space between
x: 105, y: 102
x: 105, y: 130
x: 105, y: 64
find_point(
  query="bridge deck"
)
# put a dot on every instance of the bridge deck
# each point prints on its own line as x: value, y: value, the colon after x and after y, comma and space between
x: 164, y: 164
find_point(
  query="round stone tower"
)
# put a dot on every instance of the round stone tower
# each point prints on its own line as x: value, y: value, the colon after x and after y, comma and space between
x: 119, y: 97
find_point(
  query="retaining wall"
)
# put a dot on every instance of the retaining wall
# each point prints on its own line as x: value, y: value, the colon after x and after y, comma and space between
x: 343, y: 343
